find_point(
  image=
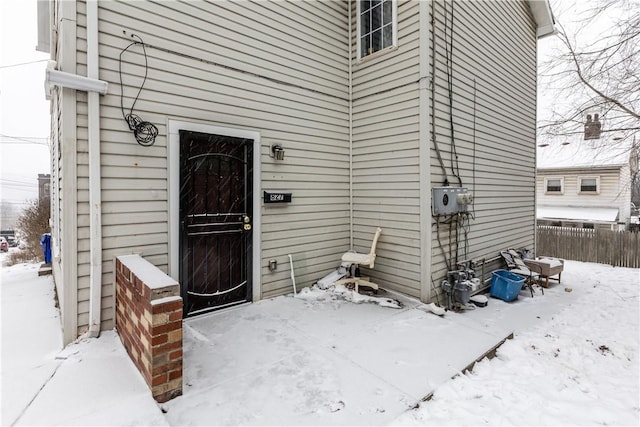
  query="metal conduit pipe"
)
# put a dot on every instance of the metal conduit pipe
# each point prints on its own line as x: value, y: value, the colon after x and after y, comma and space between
x: 95, y: 199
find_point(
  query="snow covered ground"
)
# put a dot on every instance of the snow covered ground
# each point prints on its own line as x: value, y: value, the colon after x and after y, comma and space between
x: 324, y: 360
x: 579, y: 368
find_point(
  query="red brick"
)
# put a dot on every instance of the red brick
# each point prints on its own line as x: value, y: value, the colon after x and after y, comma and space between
x: 175, y: 355
x: 137, y: 284
x: 174, y: 305
x: 175, y: 374
x: 159, y: 339
x: 159, y: 379
x: 166, y: 348
x: 176, y: 315
x: 171, y: 366
x: 167, y: 327
x: 167, y: 306
x: 158, y: 308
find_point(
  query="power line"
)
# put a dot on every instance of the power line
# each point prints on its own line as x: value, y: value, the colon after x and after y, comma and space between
x: 23, y: 140
x: 22, y: 63
x: 22, y: 136
x: 9, y: 142
x: 14, y: 181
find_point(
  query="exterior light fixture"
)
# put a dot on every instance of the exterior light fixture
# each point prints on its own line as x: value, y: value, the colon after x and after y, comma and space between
x: 277, y: 152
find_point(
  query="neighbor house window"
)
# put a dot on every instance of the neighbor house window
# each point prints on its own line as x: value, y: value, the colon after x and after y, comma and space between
x: 554, y: 185
x: 589, y: 184
x: 376, y: 26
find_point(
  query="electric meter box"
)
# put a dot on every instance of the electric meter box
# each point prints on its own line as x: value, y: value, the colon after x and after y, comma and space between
x: 450, y: 200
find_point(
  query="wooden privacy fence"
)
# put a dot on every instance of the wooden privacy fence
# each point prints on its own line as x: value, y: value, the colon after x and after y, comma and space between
x: 617, y: 248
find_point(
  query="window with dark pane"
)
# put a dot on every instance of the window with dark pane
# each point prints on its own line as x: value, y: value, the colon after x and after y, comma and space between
x: 554, y: 185
x: 588, y: 185
x: 376, y: 26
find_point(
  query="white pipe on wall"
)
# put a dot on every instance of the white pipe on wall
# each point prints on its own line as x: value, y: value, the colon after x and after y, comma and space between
x: 95, y: 200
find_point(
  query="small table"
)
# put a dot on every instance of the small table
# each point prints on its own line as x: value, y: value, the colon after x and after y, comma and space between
x: 546, y: 267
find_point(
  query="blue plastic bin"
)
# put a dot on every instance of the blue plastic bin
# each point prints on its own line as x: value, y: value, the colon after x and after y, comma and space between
x: 506, y: 285
x: 45, y: 241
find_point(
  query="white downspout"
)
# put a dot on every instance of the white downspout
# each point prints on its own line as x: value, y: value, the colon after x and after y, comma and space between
x: 95, y: 201
x: 350, y: 133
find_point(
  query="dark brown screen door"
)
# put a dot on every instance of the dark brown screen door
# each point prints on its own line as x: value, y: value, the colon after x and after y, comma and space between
x: 215, y: 221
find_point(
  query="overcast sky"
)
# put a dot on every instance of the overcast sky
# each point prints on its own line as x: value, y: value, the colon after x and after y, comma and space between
x: 24, y: 112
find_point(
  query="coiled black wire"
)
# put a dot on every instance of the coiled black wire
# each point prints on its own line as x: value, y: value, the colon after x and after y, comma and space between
x: 144, y: 132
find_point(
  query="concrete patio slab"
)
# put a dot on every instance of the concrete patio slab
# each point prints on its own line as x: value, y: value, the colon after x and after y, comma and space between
x: 327, y: 361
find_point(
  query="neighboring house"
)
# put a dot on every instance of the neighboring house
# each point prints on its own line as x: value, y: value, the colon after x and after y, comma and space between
x: 348, y: 107
x: 585, y: 183
x: 44, y: 187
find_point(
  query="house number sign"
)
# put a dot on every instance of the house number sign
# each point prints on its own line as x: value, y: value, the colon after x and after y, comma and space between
x: 277, y: 197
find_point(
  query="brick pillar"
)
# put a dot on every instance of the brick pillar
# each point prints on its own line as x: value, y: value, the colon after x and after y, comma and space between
x: 149, y: 323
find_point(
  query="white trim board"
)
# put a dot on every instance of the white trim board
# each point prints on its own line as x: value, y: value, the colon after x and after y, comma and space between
x: 173, y: 165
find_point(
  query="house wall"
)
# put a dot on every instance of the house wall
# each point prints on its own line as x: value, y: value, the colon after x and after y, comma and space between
x: 222, y: 64
x: 625, y: 193
x: 63, y: 136
x: 493, y: 80
x: 282, y: 69
x: 386, y: 161
x: 615, y: 189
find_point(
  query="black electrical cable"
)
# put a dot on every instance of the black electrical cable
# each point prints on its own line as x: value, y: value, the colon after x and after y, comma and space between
x: 440, y: 245
x: 450, y: 246
x: 433, y: 96
x: 457, y: 236
x: 434, y: 288
x: 473, y: 169
x: 144, y: 132
x: 448, y: 44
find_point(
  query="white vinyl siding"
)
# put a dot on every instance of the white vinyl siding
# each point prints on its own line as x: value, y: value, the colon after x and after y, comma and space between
x: 281, y: 69
x: 613, y: 189
x: 63, y: 138
x: 386, y: 158
x: 277, y: 68
x: 494, y: 91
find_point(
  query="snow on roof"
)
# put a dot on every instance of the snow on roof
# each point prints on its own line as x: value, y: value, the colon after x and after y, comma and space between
x: 579, y: 153
x: 577, y: 213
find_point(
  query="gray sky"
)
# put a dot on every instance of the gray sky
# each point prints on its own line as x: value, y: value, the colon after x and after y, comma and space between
x: 24, y: 112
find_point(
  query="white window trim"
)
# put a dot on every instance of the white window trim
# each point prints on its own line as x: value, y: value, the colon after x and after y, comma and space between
x: 547, y: 179
x: 393, y: 46
x: 580, y: 178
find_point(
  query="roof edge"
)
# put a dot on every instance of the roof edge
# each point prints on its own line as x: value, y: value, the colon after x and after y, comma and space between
x: 615, y: 166
x: 542, y: 14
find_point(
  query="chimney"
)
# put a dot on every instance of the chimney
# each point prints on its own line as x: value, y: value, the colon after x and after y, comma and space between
x: 592, y: 128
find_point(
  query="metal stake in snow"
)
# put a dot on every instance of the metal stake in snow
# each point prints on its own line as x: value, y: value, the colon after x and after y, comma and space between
x: 293, y: 277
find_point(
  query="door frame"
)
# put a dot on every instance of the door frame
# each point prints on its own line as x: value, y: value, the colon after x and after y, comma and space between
x: 173, y: 164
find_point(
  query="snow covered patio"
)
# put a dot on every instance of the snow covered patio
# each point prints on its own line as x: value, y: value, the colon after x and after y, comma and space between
x: 326, y: 361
